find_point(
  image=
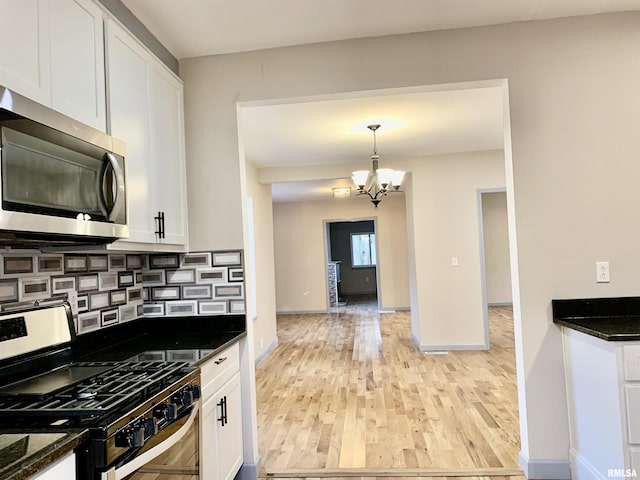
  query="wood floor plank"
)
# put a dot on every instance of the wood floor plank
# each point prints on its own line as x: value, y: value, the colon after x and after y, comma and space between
x: 350, y: 390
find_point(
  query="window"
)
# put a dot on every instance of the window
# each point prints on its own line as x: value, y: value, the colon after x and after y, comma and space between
x: 363, y: 250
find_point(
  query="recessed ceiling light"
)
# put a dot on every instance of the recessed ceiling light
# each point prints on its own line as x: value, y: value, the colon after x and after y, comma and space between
x: 342, y: 192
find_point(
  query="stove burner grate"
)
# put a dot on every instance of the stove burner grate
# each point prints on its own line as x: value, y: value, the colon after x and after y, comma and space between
x: 103, y: 393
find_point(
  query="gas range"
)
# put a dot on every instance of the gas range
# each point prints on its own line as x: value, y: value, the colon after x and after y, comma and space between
x: 128, y: 407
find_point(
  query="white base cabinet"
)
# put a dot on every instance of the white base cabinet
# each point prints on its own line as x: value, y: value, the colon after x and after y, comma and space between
x: 52, y: 51
x: 221, y: 449
x: 64, y: 468
x: 146, y: 112
x: 603, y: 393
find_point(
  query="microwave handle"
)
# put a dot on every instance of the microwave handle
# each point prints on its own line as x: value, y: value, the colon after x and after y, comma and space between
x: 118, y: 201
x: 139, y: 461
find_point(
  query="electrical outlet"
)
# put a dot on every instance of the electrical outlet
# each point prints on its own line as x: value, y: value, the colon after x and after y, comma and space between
x: 602, y: 272
x: 454, y: 261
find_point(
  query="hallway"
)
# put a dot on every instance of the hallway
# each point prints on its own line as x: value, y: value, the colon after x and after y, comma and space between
x: 350, y: 390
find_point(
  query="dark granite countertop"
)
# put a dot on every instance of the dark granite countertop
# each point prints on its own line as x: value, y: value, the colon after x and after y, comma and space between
x: 614, y: 319
x: 208, y: 335
x: 23, y: 454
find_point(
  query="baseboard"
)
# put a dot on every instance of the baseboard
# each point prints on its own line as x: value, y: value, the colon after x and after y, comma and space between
x: 249, y: 471
x: 267, y: 351
x: 544, y: 469
x: 500, y: 304
x: 446, y: 348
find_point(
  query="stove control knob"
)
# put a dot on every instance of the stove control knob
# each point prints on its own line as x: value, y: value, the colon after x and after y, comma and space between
x: 195, y: 391
x: 187, y: 396
x: 131, y: 438
x: 165, y: 411
x: 183, y: 397
x: 150, y: 426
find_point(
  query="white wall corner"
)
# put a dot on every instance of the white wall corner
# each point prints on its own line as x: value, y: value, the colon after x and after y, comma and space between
x: 544, y: 469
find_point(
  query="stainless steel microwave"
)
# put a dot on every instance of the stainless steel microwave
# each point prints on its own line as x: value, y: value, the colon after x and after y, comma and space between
x: 61, y: 182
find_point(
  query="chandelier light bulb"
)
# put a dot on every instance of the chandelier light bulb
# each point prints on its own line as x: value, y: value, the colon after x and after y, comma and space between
x: 384, y: 177
x: 360, y: 178
x: 396, y: 178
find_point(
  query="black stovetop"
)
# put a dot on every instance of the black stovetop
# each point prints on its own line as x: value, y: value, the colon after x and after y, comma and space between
x: 86, y: 392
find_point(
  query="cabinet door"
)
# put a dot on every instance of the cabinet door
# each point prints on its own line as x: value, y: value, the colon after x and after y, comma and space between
x: 209, y: 439
x: 167, y: 152
x: 221, y: 444
x: 77, y: 61
x: 24, y: 48
x: 128, y: 93
x: 65, y: 468
x: 230, y: 459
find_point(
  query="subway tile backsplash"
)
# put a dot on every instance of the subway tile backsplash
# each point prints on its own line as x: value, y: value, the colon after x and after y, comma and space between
x: 106, y: 289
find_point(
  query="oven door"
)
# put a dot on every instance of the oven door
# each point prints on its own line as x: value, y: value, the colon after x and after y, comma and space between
x: 171, y: 454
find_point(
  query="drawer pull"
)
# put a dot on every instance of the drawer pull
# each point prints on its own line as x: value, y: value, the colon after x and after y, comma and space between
x: 220, y: 360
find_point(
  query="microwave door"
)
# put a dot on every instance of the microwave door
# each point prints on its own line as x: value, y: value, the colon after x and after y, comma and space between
x: 112, y: 188
x: 42, y: 177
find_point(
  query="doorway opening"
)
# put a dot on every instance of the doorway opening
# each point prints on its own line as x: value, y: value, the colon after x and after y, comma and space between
x: 352, y: 262
x: 494, y: 252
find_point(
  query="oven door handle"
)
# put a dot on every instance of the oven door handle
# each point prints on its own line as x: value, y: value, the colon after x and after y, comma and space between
x: 143, y: 459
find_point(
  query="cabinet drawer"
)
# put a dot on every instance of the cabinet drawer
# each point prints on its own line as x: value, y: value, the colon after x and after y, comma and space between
x: 215, y: 372
x: 631, y: 356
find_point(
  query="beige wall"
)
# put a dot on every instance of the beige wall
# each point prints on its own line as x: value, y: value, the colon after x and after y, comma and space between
x: 571, y: 163
x: 496, y: 248
x: 448, y: 303
x: 259, y: 255
x: 300, y: 251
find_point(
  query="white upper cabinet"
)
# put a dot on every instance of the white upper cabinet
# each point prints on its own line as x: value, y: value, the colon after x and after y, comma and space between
x: 24, y: 48
x: 167, y: 153
x: 77, y: 61
x: 145, y: 102
x: 128, y: 83
x: 52, y: 51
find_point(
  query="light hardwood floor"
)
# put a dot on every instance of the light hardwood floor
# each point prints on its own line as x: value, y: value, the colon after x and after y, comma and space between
x: 350, y: 390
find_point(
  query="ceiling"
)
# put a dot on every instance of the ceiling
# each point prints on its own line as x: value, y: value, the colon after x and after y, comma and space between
x: 331, y: 131
x: 192, y: 28
x: 413, y: 123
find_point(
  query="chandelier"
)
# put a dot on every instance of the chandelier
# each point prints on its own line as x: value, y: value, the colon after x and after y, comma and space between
x: 379, y: 181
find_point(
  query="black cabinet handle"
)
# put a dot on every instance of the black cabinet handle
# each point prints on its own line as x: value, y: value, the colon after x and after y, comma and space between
x: 160, y: 223
x: 220, y: 360
x: 223, y: 411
